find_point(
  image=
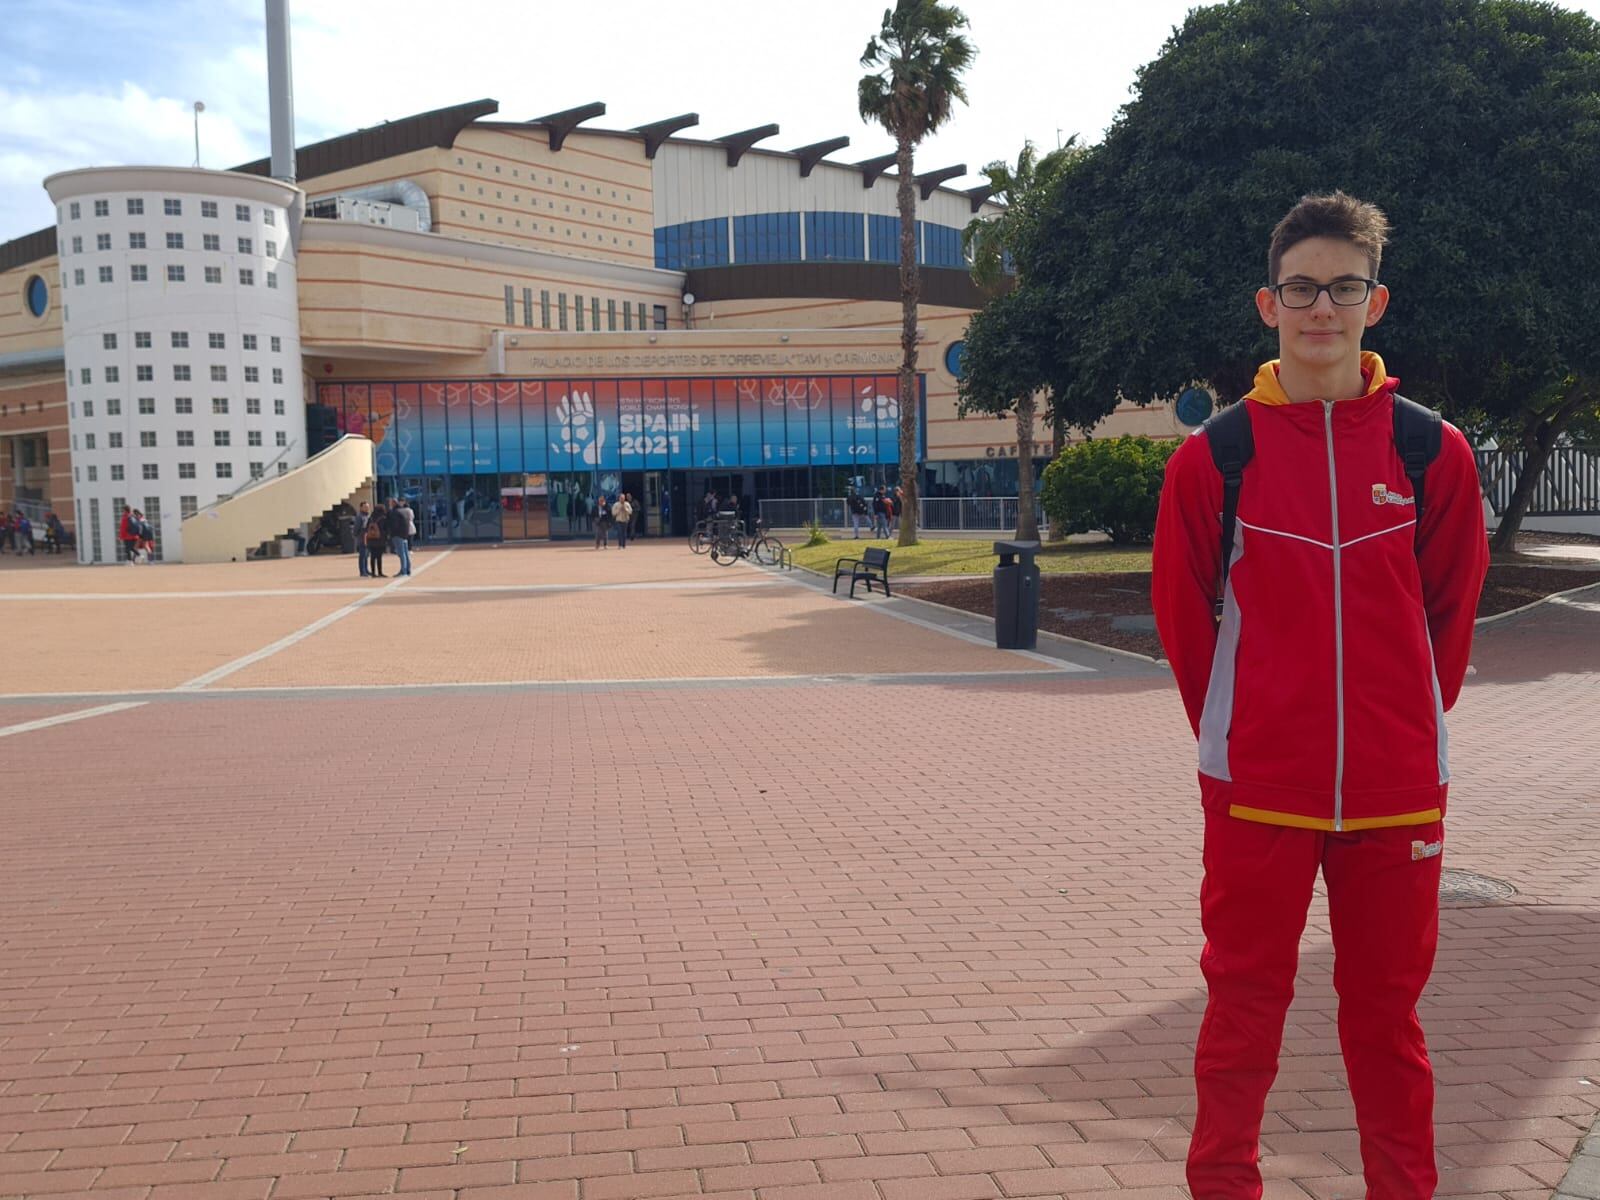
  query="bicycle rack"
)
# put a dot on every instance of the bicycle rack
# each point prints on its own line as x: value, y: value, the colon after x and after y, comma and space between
x: 786, y: 559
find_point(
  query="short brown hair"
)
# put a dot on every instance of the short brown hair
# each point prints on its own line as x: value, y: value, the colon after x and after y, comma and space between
x: 1336, y: 215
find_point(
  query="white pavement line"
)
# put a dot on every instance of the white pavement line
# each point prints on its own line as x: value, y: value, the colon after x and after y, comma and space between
x: 63, y: 718
x: 246, y: 593
x: 888, y: 609
x: 655, y: 586
x: 300, y: 635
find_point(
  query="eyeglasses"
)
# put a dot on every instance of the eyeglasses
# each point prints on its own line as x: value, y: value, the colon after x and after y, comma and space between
x: 1343, y: 292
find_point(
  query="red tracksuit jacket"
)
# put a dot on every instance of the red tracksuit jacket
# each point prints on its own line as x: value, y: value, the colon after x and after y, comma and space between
x: 1319, y: 700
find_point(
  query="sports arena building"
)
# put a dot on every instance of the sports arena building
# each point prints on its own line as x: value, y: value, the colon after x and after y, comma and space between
x: 517, y: 314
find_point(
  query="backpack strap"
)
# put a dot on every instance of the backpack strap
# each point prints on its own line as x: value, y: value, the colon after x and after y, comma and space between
x: 1233, y: 445
x: 1418, y: 433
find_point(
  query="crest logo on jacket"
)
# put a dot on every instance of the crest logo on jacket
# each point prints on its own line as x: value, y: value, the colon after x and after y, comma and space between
x: 1382, y: 495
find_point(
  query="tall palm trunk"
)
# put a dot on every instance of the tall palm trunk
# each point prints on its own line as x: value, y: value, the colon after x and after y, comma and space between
x: 910, y: 288
x: 1027, y: 522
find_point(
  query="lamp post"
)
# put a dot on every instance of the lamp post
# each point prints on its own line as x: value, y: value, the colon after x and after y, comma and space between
x: 199, y: 107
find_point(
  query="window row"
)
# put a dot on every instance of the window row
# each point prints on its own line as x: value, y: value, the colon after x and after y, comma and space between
x: 181, y: 373
x: 586, y: 314
x: 208, y: 241
x: 777, y: 237
x: 182, y: 405
x: 171, y: 206
x: 180, y: 341
x: 186, y: 470
x: 185, y: 437
x: 140, y: 273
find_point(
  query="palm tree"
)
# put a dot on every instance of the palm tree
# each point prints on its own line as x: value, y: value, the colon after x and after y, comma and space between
x: 990, y: 243
x: 916, y: 60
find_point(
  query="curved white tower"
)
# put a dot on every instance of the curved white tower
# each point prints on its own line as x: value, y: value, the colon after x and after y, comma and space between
x: 180, y: 316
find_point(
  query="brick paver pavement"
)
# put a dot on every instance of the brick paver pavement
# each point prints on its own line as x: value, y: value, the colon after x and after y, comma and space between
x: 903, y: 940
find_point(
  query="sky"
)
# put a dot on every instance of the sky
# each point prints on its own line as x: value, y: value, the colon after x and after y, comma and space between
x: 110, y: 82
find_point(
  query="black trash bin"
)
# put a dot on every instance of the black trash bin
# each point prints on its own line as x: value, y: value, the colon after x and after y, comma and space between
x: 347, y: 534
x: 1016, y: 596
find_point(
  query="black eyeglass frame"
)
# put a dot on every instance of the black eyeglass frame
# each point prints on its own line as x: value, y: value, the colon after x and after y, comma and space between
x: 1277, y: 290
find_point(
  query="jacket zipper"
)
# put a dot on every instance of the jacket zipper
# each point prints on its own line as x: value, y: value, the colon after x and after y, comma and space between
x: 1338, y: 629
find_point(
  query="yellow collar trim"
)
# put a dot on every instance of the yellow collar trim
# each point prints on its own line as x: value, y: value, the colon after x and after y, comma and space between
x: 1268, y: 390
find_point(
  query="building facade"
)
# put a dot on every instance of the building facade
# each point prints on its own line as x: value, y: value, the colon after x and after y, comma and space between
x: 519, y: 314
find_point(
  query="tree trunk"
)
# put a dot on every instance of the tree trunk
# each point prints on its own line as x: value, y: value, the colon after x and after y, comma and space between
x: 1027, y: 522
x: 910, y: 287
x: 1539, y: 441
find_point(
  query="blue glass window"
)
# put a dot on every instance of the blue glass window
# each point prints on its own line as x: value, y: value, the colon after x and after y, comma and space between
x: 38, y: 293
x: 883, y: 239
x: 835, y: 235
x: 767, y: 237
x: 941, y: 246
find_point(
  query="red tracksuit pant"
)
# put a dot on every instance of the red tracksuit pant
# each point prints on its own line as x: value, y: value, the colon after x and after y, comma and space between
x: 1383, y: 903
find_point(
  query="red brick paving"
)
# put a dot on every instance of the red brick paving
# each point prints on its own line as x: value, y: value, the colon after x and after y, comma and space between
x: 673, y: 942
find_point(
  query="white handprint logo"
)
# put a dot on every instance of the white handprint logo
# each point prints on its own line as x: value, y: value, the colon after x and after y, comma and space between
x: 881, y: 408
x: 582, y: 432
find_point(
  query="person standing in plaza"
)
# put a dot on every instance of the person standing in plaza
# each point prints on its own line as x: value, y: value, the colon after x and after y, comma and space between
x: 602, y: 521
x: 55, y: 534
x: 363, y: 523
x: 1316, y: 668
x: 398, y: 527
x: 622, y: 514
x: 375, y: 540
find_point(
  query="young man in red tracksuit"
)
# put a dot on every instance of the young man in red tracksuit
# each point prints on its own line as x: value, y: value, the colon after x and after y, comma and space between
x: 1318, y: 700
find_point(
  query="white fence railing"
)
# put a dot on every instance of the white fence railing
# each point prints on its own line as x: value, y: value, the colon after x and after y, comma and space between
x: 955, y: 514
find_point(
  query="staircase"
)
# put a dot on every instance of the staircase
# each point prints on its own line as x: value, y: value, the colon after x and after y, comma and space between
x: 239, y: 526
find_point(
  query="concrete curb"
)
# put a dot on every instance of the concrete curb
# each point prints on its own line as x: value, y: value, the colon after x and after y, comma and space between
x: 1582, y: 1180
x: 1511, y: 612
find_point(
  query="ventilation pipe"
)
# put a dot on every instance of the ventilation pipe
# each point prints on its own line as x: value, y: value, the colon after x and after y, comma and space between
x: 280, y: 90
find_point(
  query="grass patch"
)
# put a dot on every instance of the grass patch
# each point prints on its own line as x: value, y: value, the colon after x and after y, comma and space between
x: 941, y: 556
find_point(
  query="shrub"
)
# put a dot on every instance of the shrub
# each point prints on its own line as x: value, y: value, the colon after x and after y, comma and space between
x: 1107, y: 484
x: 816, y: 535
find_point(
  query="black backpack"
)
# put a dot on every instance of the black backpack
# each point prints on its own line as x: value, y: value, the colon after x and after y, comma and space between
x: 1418, y: 433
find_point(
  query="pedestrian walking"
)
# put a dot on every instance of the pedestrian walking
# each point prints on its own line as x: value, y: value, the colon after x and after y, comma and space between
x: 128, y: 536
x: 55, y: 534
x: 24, y: 533
x: 410, y: 515
x: 622, y: 514
x: 897, y: 504
x: 857, y: 507
x: 602, y: 521
x: 1320, y: 720
x: 880, y: 514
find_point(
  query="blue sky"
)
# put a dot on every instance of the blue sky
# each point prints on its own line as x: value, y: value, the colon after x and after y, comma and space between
x: 105, y: 82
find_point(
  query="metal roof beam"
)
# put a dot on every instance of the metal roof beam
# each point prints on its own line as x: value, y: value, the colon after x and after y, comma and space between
x: 657, y: 132
x: 560, y: 124
x: 979, y: 194
x: 871, y: 168
x: 929, y: 180
x: 737, y: 143
x: 811, y: 155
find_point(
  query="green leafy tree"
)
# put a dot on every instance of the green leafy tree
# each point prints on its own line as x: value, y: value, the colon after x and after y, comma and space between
x: 1108, y: 485
x: 916, y: 61
x: 1475, y: 124
x: 989, y: 243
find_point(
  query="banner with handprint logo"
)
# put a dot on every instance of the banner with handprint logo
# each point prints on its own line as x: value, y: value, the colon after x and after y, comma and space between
x: 579, y: 431
x: 478, y: 426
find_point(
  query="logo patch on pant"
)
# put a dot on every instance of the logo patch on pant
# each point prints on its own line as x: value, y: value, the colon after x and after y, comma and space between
x: 1422, y: 850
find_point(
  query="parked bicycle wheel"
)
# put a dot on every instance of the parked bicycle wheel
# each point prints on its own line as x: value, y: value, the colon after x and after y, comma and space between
x: 699, y: 542
x: 767, y: 551
x: 726, y: 550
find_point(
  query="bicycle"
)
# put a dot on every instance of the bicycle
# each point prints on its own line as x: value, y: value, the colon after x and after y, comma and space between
x: 731, y: 543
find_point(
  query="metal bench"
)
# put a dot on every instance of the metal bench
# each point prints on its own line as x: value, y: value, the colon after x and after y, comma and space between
x: 872, y: 566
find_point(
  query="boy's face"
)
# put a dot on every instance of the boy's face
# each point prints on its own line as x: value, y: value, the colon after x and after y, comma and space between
x: 1326, y: 334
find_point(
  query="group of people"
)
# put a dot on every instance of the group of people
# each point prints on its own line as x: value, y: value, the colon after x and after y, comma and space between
x: 137, y: 535
x: 616, y: 515
x: 388, y: 528
x: 16, y: 533
x: 883, y: 508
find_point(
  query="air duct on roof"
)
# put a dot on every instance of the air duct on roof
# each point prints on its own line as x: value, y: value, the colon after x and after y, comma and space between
x: 404, y: 192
